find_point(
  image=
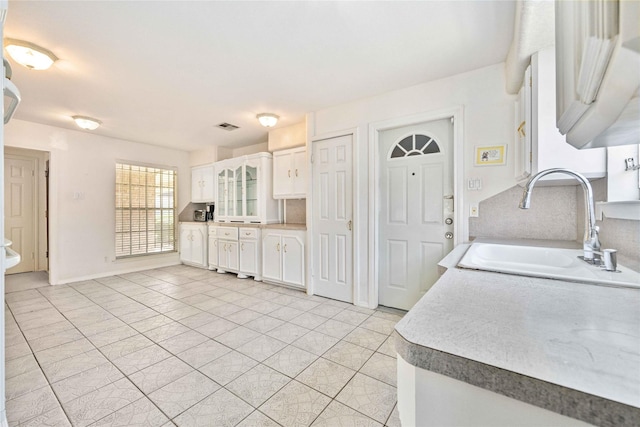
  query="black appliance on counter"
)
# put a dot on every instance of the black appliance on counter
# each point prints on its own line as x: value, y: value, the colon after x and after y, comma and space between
x: 210, y: 210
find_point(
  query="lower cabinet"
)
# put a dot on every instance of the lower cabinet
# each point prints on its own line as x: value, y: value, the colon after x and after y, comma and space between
x: 236, y: 250
x: 193, y: 244
x: 213, y: 247
x: 283, y: 256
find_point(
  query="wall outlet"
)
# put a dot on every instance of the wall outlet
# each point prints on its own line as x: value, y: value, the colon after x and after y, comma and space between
x: 474, y: 211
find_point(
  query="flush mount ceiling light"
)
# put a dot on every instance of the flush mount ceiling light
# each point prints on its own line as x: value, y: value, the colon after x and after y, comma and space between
x: 29, y: 55
x: 267, y: 119
x: 87, y: 123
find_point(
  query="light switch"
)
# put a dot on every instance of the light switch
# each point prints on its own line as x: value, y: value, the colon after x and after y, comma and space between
x: 474, y: 184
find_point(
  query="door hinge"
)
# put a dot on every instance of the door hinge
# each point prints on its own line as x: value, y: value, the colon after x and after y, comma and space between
x: 33, y: 173
x: 312, y: 158
x: 46, y: 254
x: 33, y: 255
x: 46, y: 173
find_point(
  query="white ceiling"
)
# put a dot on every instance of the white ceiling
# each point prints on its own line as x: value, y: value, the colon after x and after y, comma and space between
x: 166, y: 72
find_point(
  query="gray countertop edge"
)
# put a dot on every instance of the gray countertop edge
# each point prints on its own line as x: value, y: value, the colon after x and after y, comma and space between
x: 562, y: 400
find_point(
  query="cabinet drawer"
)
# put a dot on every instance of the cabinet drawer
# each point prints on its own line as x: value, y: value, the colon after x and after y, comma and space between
x: 213, y: 231
x: 228, y: 233
x: 248, y: 233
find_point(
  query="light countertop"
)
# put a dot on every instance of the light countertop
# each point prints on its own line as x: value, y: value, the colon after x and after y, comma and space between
x: 250, y: 225
x: 569, y: 347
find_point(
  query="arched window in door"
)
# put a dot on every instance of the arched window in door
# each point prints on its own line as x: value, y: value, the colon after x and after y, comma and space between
x: 415, y: 145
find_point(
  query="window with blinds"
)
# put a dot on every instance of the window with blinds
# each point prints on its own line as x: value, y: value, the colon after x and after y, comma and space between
x: 145, y: 210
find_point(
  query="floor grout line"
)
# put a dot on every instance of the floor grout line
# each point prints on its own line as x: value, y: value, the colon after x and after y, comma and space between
x: 112, y: 286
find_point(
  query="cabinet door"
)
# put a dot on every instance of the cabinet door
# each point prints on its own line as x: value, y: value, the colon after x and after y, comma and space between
x: 213, y: 251
x: 223, y: 254
x: 249, y: 257
x: 198, y: 246
x: 231, y: 193
x: 233, y: 255
x: 299, y: 173
x: 251, y: 189
x: 238, y: 192
x: 221, y: 200
x: 196, y: 185
x: 281, y: 174
x: 185, y: 244
x: 292, y: 260
x: 208, y: 187
x: 271, y: 257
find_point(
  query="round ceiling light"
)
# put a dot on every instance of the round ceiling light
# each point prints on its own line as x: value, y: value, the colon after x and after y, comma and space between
x: 29, y: 55
x: 87, y: 123
x: 267, y: 119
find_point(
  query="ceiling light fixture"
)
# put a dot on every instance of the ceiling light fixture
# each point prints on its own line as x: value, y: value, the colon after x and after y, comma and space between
x: 267, y: 119
x: 87, y: 123
x: 29, y: 55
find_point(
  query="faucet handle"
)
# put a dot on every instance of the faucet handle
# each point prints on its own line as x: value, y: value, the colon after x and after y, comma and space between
x: 609, y: 256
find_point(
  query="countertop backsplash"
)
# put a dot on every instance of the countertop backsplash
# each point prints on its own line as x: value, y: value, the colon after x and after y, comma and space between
x: 296, y: 211
x: 552, y: 215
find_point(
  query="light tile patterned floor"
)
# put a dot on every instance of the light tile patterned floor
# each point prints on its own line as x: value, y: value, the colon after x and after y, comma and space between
x: 190, y: 347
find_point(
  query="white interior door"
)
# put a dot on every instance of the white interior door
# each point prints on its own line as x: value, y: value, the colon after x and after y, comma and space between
x: 19, y: 217
x: 416, y: 203
x: 332, y: 218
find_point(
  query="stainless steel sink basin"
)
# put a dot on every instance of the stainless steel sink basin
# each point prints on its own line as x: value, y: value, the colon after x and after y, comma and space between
x: 552, y: 263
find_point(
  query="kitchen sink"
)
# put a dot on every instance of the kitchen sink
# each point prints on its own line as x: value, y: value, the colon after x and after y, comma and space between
x: 552, y: 263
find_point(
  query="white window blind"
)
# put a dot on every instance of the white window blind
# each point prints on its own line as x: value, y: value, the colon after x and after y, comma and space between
x: 145, y: 210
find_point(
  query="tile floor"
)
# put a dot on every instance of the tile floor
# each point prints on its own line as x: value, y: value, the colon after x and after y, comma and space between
x: 189, y: 347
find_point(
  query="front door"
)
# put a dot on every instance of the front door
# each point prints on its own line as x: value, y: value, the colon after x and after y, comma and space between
x: 332, y: 218
x: 416, y: 209
x: 19, y: 215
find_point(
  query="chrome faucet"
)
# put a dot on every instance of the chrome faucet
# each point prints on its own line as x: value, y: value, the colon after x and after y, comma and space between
x: 591, y: 243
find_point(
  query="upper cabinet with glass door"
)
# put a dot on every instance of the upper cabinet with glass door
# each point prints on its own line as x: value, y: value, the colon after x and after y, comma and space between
x: 245, y: 190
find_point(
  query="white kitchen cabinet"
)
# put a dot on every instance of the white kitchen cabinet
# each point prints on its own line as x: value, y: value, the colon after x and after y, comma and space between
x: 250, y: 253
x: 202, y: 184
x: 538, y: 143
x: 193, y: 244
x: 283, y: 256
x: 213, y: 248
x: 290, y: 174
x: 245, y: 190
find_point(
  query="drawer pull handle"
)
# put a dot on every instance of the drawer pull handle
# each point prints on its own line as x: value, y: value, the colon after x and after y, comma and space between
x: 285, y: 247
x: 289, y: 173
x: 278, y: 247
x: 242, y: 247
x: 247, y: 234
x: 226, y: 234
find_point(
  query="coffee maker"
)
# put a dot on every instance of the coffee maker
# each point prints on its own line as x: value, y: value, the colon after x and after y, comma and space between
x: 210, y: 209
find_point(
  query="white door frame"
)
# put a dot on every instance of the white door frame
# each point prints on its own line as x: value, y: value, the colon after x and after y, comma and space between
x: 459, y: 230
x: 353, y: 132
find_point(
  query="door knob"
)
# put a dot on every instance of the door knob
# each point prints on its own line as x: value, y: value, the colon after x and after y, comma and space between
x: 448, y: 235
x: 448, y: 221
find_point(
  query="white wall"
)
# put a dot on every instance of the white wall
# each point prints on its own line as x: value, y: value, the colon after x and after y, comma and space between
x: 82, y: 243
x: 249, y: 149
x: 488, y: 120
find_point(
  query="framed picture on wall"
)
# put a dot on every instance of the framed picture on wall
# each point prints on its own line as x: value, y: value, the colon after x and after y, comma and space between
x: 491, y: 155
